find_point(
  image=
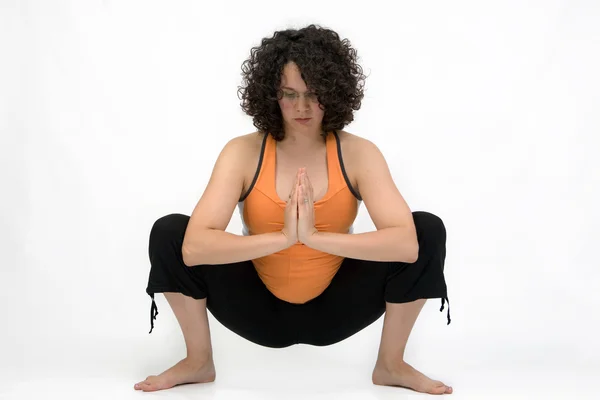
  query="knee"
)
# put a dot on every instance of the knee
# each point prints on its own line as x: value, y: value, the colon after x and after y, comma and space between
x: 430, y: 228
x: 168, y: 228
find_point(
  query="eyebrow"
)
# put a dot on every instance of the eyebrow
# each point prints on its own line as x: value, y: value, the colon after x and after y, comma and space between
x: 289, y: 88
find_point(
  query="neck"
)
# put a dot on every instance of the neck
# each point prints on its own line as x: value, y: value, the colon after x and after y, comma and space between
x: 302, y: 141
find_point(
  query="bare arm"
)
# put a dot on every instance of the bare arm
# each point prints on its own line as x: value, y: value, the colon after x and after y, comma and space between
x: 220, y: 247
x: 205, y: 240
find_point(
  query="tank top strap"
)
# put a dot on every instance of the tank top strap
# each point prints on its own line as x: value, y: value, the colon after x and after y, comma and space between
x: 334, y: 166
x: 269, y: 157
x: 265, y: 180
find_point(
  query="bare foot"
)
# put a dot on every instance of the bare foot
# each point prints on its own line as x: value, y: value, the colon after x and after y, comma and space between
x: 404, y: 375
x: 185, y: 371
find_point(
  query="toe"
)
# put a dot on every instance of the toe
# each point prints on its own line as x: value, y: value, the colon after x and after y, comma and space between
x: 439, y: 388
x: 145, y: 386
x: 139, y: 385
x: 148, y: 387
x: 440, y: 385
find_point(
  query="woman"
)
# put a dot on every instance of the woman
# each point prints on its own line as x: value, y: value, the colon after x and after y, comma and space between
x: 298, y: 274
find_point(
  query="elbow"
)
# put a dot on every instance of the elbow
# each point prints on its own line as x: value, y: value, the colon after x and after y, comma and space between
x: 195, y: 251
x: 412, y: 257
x: 415, y: 254
x: 405, y: 256
x: 185, y: 255
x: 189, y: 258
x: 408, y: 251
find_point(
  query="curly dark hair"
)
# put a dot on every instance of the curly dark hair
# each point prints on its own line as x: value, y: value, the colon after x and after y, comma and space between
x: 327, y: 64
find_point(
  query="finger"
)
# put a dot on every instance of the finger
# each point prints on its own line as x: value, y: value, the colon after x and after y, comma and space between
x: 294, y: 197
x: 297, y: 201
x: 310, y: 186
x: 295, y: 191
x: 308, y: 182
x: 294, y: 188
x: 301, y: 195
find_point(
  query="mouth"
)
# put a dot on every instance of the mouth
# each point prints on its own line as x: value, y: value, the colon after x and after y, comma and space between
x: 302, y: 119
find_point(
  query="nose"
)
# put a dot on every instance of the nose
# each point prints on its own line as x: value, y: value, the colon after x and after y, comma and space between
x: 302, y: 103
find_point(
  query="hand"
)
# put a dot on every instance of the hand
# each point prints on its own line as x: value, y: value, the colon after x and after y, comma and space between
x: 290, y: 223
x: 306, y: 209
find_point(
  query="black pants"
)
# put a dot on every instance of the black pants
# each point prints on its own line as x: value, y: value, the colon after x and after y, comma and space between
x: 356, y: 297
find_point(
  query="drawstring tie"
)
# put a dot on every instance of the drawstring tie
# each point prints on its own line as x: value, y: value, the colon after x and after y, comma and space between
x: 441, y: 309
x: 153, y: 313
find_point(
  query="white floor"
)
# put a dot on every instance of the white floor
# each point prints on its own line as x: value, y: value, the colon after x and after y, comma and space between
x: 277, y: 381
x: 107, y: 368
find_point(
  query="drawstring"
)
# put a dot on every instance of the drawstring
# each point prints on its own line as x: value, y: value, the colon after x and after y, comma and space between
x: 153, y: 313
x: 441, y: 309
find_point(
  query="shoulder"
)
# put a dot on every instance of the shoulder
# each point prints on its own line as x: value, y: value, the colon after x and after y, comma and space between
x: 356, y: 149
x: 245, y: 150
x: 361, y: 158
x: 244, y: 147
x: 246, y: 140
x: 239, y: 152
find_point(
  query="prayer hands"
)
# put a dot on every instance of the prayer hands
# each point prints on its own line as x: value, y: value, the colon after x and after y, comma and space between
x: 306, y: 213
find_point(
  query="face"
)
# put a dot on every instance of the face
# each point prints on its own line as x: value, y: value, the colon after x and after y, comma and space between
x: 298, y: 102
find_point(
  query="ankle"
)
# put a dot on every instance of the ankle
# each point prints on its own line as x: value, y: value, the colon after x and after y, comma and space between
x: 390, y: 364
x: 199, y: 357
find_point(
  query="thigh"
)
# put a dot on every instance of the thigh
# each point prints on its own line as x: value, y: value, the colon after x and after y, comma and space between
x: 235, y: 295
x: 353, y: 301
x: 239, y: 300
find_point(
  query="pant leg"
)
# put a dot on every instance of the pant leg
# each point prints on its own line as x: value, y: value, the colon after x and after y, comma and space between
x: 235, y: 295
x: 359, y: 291
x: 423, y: 279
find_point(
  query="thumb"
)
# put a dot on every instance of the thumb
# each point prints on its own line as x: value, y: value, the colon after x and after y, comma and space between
x: 294, y: 199
x: 299, y: 197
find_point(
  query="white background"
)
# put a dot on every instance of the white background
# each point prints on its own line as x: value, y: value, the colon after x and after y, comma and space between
x: 112, y: 114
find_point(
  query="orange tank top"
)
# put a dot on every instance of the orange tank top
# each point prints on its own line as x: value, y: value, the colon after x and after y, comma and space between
x: 298, y: 273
